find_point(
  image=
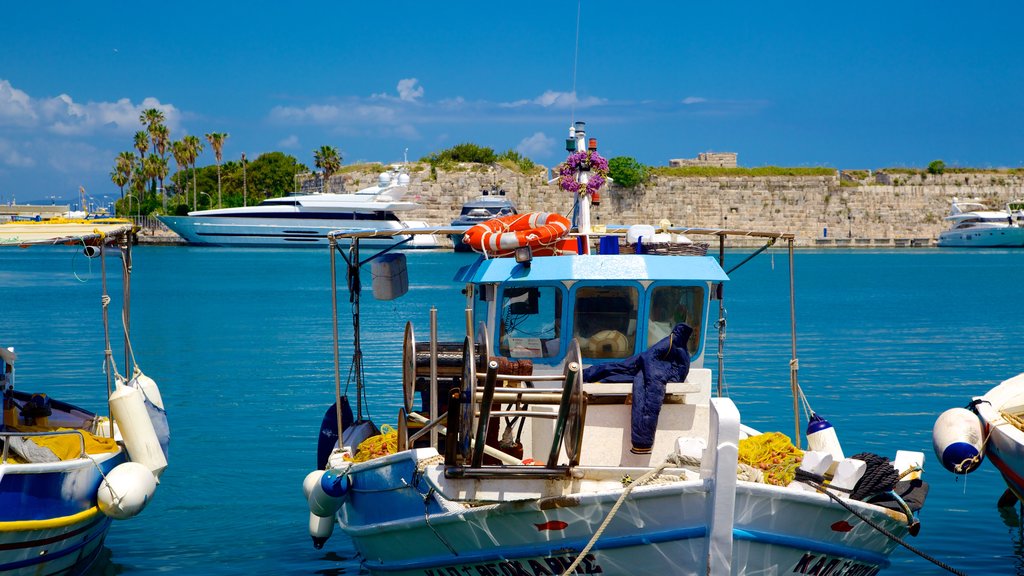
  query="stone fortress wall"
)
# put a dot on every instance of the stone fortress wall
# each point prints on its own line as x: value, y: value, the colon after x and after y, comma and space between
x: 852, y: 208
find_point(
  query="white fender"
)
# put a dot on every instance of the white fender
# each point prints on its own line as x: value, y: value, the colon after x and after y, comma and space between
x: 323, y: 504
x: 132, y: 419
x: 126, y: 490
x: 311, y: 479
x: 320, y: 529
x: 958, y: 438
x: 149, y: 388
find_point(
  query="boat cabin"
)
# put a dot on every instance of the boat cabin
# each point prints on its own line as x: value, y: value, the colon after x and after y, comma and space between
x: 614, y: 306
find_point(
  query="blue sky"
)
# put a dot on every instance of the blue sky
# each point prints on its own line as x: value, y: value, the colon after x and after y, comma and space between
x: 856, y: 85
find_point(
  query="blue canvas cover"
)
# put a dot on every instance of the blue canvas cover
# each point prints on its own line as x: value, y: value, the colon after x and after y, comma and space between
x: 666, y: 361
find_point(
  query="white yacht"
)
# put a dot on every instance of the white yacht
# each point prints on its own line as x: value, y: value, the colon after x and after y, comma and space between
x: 973, y: 225
x: 305, y: 219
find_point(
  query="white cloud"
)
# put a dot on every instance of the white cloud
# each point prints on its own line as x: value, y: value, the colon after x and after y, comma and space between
x: 538, y: 144
x: 15, y: 106
x: 553, y: 99
x: 694, y: 100
x: 10, y: 156
x: 409, y: 90
x: 63, y: 116
x: 292, y: 141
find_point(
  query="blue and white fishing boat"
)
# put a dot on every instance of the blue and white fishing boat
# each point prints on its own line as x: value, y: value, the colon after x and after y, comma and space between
x: 578, y: 429
x: 65, y: 472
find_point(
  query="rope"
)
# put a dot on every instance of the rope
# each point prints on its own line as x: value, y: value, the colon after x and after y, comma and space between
x: 611, y: 514
x: 880, y: 476
x: 814, y: 482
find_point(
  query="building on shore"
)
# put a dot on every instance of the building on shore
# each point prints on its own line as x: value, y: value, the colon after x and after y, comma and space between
x: 718, y: 159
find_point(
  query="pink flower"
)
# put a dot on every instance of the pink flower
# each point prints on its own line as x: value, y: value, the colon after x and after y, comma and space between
x: 578, y: 162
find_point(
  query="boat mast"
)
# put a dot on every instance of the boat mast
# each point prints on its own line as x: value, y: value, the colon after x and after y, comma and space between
x: 578, y: 141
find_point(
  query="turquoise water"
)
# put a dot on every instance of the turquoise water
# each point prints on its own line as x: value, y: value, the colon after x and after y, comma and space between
x: 240, y: 343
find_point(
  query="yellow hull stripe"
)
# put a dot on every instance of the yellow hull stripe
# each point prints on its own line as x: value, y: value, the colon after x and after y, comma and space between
x: 47, y: 523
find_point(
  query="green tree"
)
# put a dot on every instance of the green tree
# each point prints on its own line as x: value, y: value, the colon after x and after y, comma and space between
x: 273, y: 174
x: 141, y: 145
x: 194, y: 147
x: 627, y: 172
x: 327, y: 159
x: 160, y: 136
x: 936, y: 167
x: 123, y: 170
x: 465, y: 152
x: 179, y: 151
x: 216, y: 140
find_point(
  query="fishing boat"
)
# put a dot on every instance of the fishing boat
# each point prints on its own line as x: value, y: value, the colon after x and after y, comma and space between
x: 303, y: 220
x: 490, y: 204
x: 578, y: 427
x: 973, y: 225
x: 67, y: 473
x: 991, y: 426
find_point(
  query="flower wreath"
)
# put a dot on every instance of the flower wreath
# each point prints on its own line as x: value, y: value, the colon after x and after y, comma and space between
x: 582, y: 161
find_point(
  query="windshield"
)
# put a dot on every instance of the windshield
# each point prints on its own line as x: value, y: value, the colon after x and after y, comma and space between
x: 530, y: 322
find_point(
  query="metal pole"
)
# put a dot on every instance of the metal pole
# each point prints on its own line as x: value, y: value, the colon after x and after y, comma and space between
x: 721, y: 317
x: 794, y: 363
x: 433, y: 372
x: 126, y: 307
x: 333, y: 244
x: 108, y: 354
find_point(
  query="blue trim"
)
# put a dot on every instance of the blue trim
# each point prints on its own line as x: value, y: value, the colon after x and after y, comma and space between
x: 625, y: 267
x: 555, y: 547
x: 550, y: 548
x: 104, y: 526
x: 811, y: 545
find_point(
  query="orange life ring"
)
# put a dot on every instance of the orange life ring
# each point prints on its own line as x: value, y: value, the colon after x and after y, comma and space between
x: 541, y: 231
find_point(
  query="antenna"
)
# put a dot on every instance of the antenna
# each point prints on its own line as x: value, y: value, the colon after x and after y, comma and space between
x: 575, y: 61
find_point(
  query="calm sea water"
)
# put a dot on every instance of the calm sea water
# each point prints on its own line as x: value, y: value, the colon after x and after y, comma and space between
x: 240, y: 343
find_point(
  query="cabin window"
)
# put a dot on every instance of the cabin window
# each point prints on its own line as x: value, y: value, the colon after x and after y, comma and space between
x: 670, y: 305
x: 530, y: 322
x: 604, y: 321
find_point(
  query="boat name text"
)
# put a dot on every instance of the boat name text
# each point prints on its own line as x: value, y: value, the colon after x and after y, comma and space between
x: 551, y: 566
x: 824, y: 565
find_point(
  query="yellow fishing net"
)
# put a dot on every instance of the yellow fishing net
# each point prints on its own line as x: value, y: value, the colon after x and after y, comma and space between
x: 774, y: 454
x: 376, y: 446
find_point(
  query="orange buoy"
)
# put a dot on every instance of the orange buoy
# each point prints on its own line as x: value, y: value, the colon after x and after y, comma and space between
x: 543, y: 232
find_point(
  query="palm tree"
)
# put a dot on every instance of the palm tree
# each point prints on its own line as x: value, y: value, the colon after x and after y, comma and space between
x: 138, y: 182
x: 216, y: 140
x: 327, y: 159
x: 195, y: 147
x: 180, y: 152
x: 123, y: 166
x: 151, y: 167
x: 151, y: 118
x: 161, y: 136
x: 120, y: 179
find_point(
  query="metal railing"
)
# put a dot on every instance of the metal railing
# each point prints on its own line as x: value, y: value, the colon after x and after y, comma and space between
x: 6, y: 436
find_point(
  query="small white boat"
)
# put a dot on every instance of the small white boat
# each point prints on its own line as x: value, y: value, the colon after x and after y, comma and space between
x: 565, y: 434
x: 992, y: 426
x: 64, y: 474
x: 973, y: 225
x: 303, y: 220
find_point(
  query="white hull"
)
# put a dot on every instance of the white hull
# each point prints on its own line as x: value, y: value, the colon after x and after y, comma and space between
x: 663, y: 528
x: 277, y: 232
x: 987, y: 237
x: 1005, y: 444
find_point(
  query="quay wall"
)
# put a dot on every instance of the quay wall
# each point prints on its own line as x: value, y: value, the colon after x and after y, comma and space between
x: 821, y: 210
